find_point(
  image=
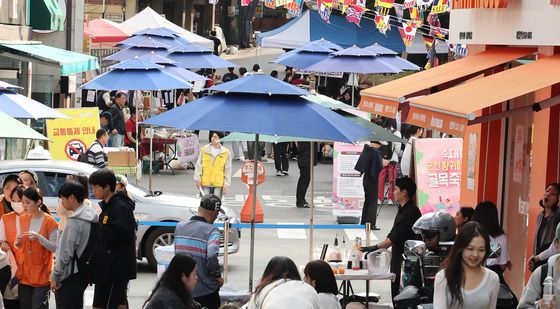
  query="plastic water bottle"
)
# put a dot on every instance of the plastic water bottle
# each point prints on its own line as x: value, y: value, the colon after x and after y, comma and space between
x: 548, y: 291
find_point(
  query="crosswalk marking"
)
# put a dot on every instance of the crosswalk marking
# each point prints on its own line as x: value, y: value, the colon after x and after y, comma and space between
x: 291, y: 233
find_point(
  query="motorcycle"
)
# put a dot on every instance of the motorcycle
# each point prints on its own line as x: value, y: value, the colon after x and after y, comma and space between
x: 420, y: 294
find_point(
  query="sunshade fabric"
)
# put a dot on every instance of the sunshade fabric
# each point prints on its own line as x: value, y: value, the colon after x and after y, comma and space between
x: 22, y: 107
x: 385, y: 98
x: 450, y: 110
x: 12, y: 128
x: 69, y: 61
x: 45, y: 15
x: 104, y: 31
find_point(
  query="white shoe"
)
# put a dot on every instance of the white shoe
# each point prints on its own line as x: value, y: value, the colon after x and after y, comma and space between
x: 379, y: 202
x: 390, y: 202
x: 279, y: 173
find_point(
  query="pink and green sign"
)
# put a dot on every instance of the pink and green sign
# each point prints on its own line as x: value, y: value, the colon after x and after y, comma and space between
x: 438, y: 174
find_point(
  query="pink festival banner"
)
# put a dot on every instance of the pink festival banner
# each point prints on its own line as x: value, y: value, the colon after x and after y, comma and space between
x: 438, y: 174
x: 348, y: 192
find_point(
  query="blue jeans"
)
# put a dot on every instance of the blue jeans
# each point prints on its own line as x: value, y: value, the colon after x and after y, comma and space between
x: 117, y: 140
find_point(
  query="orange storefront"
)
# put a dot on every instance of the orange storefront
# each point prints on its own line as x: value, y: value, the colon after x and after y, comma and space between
x: 504, y: 100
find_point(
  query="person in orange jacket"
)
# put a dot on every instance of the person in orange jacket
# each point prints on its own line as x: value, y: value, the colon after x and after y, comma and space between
x: 37, y: 244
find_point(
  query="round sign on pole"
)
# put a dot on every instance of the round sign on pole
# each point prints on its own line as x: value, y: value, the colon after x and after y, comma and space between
x: 73, y: 148
x: 247, y: 172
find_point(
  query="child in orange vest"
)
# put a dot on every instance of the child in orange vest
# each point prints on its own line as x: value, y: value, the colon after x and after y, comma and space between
x: 36, y: 244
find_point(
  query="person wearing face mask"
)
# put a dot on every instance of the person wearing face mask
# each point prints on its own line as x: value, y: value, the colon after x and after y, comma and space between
x: 9, y: 231
x: 10, y: 182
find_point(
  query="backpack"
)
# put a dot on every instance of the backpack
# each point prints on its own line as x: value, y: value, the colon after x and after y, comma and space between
x: 83, y: 156
x: 94, y: 259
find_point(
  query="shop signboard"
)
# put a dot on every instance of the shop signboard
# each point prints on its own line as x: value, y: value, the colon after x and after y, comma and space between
x: 438, y: 174
x: 72, y: 136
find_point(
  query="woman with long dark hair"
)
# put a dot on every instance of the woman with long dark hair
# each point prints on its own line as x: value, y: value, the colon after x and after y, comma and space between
x: 281, y: 287
x: 319, y: 275
x: 464, y: 282
x: 486, y: 213
x: 37, y: 244
x: 173, y: 289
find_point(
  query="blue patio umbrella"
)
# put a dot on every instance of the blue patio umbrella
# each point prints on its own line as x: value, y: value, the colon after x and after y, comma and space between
x: 161, y: 32
x: 353, y: 64
x: 132, y: 52
x: 190, y: 48
x: 22, y: 107
x: 199, y: 60
x: 169, y: 67
x: 302, y: 59
x: 137, y: 74
x: 145, y: 41
x: 260, y: 112
x: 259, y: 84
x: 391, y: 57
x: 380, y: 50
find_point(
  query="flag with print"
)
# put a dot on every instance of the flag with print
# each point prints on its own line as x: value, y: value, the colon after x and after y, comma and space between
x: 428, y: 65
x: 360, y: 3
x: 344, y: 4
x: 327, y: 3
x: 439, y: 6
x: 423, y: 4
x: 271, y: 4
x: 408, y: 31
x: 399, y: 10
x: 245, y: 2
x: 325, y: 13
x: 385, y: 6
x: 460, y: 50
x: 428, y: 41
x: 354, y: 14
x: 409, y: 4
x: 438, y: 32
x: 417, y: 16
x: 294, y: 7
x: 382, y: 23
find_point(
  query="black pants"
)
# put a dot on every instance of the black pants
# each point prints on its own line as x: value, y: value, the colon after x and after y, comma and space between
x: 210, y: 301
x: 396, y: 261
x: 70, y: 295
x: 281, y: 156
x: 302, y: 185
x: 369, y: 210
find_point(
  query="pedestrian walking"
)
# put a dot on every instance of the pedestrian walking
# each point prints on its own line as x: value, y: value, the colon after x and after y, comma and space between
x: 319, y: 275
x: 281, y: 161
x: 118, y: 125
x: 407, y: 214
x: 95, y: 154
x: 63, y: 213
x: 369, y: 164
x: 118, y: 228
x: 464, y: 282
x: 66, y: 283
x: 201, y: 239
x: 37, y: 244
x: 281, y: 287
x: 174, y: 288
x: 212, y: 172
x: 304, y: 165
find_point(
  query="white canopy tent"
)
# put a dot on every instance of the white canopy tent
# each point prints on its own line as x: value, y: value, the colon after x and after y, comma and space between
x: 148, y: 18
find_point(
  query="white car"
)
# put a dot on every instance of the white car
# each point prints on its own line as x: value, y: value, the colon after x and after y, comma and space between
x: 161, y: 207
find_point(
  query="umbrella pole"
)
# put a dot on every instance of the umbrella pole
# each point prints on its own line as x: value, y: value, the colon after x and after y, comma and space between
x: 353, y: 82
x: 253, y: 210
x: 151, y: 159
x: 137, y: 139
x: 312, y: 206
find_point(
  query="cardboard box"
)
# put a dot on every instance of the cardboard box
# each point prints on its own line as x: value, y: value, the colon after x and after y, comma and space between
x: 122, y: 158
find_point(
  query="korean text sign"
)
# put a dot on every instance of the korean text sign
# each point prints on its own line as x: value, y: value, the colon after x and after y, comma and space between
x: 438, y: 173
x: 72, y: 136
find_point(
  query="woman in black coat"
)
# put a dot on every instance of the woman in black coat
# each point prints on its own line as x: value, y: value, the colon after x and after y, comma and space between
x: 173, y: 290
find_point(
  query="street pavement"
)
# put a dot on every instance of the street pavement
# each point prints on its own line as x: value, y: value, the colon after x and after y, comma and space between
x: 277, y: 196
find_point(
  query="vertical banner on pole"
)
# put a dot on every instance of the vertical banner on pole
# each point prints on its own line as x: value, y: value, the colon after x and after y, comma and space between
x: 437, y: 164
x: 348, y: 191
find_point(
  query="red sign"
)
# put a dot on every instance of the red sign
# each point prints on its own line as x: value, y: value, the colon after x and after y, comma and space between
x: 73, y: 148
x: 247, y: 172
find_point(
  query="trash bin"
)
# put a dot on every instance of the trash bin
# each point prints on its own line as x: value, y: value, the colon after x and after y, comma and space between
x: 146, y: 167
x: 163, y: 254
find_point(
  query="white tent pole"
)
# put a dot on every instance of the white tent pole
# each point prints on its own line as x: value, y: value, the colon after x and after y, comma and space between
x: 312, y: 206
x: 253, y: 210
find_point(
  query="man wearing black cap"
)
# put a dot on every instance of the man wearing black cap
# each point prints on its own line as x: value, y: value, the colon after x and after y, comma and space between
x: 370, y: 163
x: 201, y: 239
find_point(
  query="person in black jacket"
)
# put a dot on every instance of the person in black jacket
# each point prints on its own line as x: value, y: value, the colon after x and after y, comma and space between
x: 174, y: 288
x: 118, y: 124
x: 118, y: 228
x: 304, y: 164
x: 408, y: 213
x: 370, y: 163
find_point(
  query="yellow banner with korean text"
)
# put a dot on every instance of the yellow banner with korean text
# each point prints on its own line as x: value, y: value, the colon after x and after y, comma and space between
x: 72, y: 136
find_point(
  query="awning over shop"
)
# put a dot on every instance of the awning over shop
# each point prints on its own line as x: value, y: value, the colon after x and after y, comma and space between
x: 451, y: 110
x: 45, y: 15
x: 70, y: 62
x: 384, y: 99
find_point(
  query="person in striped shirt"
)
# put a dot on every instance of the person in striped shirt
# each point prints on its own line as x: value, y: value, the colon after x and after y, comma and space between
x: 95, y: 154
x: 201, y: 239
